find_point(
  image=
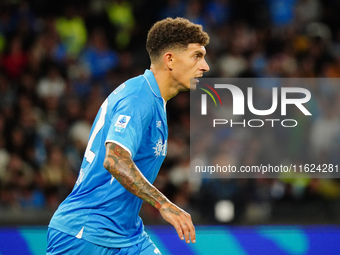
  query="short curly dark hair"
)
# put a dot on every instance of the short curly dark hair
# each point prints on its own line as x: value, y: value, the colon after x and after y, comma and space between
x: 170, y: 33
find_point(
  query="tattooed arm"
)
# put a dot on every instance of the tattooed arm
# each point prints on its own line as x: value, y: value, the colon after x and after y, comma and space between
x: 119, y: 163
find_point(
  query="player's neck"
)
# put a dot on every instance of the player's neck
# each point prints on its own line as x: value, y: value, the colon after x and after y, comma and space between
x: 167, y: 86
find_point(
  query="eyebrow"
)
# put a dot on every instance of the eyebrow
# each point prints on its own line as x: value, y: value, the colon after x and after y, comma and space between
x: 197, y: 52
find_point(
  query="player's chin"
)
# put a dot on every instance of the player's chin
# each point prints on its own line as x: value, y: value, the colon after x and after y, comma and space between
x: 193, y: 83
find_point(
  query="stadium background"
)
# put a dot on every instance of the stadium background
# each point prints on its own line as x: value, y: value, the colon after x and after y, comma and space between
x: 60, y: 59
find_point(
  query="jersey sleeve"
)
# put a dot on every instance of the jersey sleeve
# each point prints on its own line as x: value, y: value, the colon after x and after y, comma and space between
x: 129, y: 122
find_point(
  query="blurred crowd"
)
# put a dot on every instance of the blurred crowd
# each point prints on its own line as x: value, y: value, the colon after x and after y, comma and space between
x: 60, y: 59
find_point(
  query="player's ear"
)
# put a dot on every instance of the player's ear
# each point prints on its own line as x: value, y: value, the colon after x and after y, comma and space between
x: 168, y: 60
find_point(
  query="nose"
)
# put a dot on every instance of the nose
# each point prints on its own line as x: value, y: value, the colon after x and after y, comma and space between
x: 204, y: 66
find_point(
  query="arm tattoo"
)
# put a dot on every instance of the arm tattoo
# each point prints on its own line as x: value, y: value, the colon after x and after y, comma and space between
x: 119, y: 163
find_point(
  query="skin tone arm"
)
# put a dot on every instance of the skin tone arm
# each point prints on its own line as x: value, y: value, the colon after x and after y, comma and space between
x: 119, y: 163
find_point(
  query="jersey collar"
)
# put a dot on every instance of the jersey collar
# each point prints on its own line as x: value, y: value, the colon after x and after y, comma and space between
x: 150, y: 78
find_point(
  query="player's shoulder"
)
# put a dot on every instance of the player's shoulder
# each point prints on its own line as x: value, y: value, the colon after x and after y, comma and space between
x: 134, y: 87
x: 133, y: 94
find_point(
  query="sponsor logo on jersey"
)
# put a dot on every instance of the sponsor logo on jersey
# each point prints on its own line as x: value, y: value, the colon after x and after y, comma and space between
x: 160, y: 148
x: 122, y: 122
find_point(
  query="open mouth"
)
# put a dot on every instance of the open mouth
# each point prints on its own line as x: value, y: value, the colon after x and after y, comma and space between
x: 197, y: 77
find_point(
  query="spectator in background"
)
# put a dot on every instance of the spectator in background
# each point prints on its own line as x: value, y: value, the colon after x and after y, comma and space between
x: 217, y: 12
x: 120, y: 13
x: 2, y: 43
x: 7, y: 92
x: 15, y: 59
x: 52, y: 85
x: 18, y: 174
x: 56, y: 173
x: 52, y: 45
x: 27, y: 86
x: 281, y: 12
x: 307, y: 11
x: 72, y: 31
x: 4, y: 155
x: 97, y: 57
x: 80, y: 81
x: 194, y: 12
x: 325, y: 132
x: 173, y: 8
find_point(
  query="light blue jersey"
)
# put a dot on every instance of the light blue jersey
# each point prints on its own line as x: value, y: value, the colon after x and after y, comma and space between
x: 99, y: 209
